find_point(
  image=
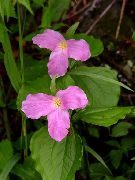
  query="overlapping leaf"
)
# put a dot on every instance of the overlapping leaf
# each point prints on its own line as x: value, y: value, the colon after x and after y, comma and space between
x: 56, y: 160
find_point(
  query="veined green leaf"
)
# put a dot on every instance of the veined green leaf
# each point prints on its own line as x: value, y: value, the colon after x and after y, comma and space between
x: 26, y: 3
x: 71, y: 31
x: 86, y: 71
x: 56, y: 160
x: 104, y: 116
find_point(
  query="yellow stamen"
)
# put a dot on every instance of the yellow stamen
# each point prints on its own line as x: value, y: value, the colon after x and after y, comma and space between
x: 63, y: 45
x: 57, y: 102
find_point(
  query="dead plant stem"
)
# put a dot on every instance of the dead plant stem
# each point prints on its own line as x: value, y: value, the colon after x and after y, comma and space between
x: 100, y: 17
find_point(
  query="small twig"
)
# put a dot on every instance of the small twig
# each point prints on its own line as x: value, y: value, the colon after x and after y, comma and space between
x: 126, y: 95
x: 120, y: 19
x: 120, y: 69
x: 78, y: 12
x: 100, y: 16
x: 87, y: 11
x: 76, y: 5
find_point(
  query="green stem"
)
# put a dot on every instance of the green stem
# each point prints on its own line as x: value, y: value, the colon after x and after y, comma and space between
x: 6, y: 123
x: 24, y: 129
x: 20, y: 43
x: 86, y: 161
x: 53, y: 86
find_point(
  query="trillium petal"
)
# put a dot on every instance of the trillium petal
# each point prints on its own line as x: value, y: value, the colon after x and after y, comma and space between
x: 48, y: 39
x: 58, y: 63
x: 58, y: 124
x: 73, y: 98
x: 78, y: 49
x: 37, y: 105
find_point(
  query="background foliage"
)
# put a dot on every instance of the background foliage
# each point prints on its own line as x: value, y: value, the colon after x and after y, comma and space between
x: 101, y: 142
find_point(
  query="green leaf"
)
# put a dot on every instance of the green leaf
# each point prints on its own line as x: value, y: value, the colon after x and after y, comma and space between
x: 99, y: 92
x: 133, y: 36
x: 58, y: 8
x: 98, y: 170
x: 46, y: 18
x: 95, y: 73
x: 2, y: 9
x: 113, y: 143
x: 64, y: 82
x: 31, y: 66
x: 26, y: 3
x: 94, y: 131
x: 8, y: 167
x: 58, y: 26
x: 29, y: 36
x: 116, y: 156
x: 9, y: 60
x: 127, y: 143
x: 98, y: 157
x: 6, y: 152
x: 96, y: 45
x: 104, y: 116
x: 53, y: 12
x: 56, y: 160
x: 39, y: 2
x: 119, y: 178
x: 121, y: 129
x: 133, y: 159
x: 71, y: 31
x: 9, y: 9
x: 27, y: 170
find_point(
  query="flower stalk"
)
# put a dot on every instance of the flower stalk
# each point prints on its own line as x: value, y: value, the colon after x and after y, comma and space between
x: 24, y: 130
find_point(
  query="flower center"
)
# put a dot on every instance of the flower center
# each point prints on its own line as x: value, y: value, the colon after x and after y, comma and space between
x: 57, y: 102
x: 63, y: 45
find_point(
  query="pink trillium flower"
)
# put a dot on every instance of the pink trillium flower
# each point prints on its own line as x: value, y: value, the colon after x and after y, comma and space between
x: 55, y: 108
x: 61, y: 50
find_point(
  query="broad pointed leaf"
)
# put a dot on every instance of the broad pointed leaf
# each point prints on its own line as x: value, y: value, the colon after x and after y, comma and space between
x: 89, y: 72
x: 104, y: 116
x: 56, y: 160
